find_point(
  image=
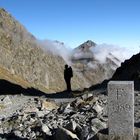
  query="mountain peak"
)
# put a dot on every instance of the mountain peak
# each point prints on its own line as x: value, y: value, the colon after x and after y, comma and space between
x: 3, y: 12
x: 88, y: 43
x: 85, y: 47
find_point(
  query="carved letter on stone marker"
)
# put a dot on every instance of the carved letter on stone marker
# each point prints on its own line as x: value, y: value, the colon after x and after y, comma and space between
x: 121, y: 108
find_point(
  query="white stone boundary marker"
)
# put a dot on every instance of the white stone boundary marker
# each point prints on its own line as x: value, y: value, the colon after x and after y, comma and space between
x: 121, y: 110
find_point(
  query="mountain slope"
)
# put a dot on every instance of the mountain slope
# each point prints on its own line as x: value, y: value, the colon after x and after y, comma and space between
x: 129, y: 70
x: 22, y: 56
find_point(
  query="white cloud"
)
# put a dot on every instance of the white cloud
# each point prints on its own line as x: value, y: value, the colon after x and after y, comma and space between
x: 57, y: 48
x: 100, y: 52
x: 103, y: 50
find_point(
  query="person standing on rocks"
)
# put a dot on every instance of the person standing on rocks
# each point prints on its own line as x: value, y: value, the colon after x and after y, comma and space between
x: 68, y: 74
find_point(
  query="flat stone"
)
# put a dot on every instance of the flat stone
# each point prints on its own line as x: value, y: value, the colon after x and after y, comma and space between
x: 42, y: 113
x: 30, y: 109
x: 97, y: 125
x: 120, y: 109
x: 47, y: 105
x: 98, y: 108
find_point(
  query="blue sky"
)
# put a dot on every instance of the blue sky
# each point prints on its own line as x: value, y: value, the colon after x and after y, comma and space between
x: 75, y: 21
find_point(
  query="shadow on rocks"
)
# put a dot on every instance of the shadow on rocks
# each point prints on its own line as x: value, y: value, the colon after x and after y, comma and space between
x: 137, y: 125
x: 11, y: 136
x: 101, y: 135
x: 8, y: 88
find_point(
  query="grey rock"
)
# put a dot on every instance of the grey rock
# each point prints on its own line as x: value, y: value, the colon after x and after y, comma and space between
x: 46, y: 130
x: 30, y: 109
x: 97, y: 125
x: 24, y: 133
x: 6, y: 101
x: 90, y: 136
x: 86, y: 96
x: 71, y: 126
x: 64, y: 134
x: 78, y: 116
x: 28, y: 129
x: 78, y: 102
x: 54, y: 125
x: 68, y: 109
x: 32, y: 135
x: 18, y: 133
x: 85, y: 132
x: 40, y: 114
x: 98, y: 108
x: 1, y: 131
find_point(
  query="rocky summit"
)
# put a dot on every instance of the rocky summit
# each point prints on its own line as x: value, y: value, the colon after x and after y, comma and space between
x: 40, y: 118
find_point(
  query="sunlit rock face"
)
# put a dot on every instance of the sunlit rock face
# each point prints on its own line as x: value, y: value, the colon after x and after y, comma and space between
x: 26, y: 62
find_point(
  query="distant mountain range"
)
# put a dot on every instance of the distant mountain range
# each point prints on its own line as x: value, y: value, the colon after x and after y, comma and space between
x: 30, y: 62
x: 93, y: 70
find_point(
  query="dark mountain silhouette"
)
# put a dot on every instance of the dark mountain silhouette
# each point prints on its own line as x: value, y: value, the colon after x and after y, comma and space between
x: 129, y: 70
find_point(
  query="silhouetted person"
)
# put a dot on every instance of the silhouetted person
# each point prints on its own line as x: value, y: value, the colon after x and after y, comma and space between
x: 68, y: 74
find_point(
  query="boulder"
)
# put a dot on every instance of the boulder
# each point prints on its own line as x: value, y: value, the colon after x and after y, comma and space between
x: 46, y: 130
x: 97, y: 125
x: 68, y: 109
x: 98, y: 108
x: 30, y: 109
x: 71, y: 126
x: 47, y: 105
x: 18, y: 133
x: 64, y: 134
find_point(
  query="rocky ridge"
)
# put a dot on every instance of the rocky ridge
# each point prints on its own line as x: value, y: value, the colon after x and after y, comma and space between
x: 129, y: 70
